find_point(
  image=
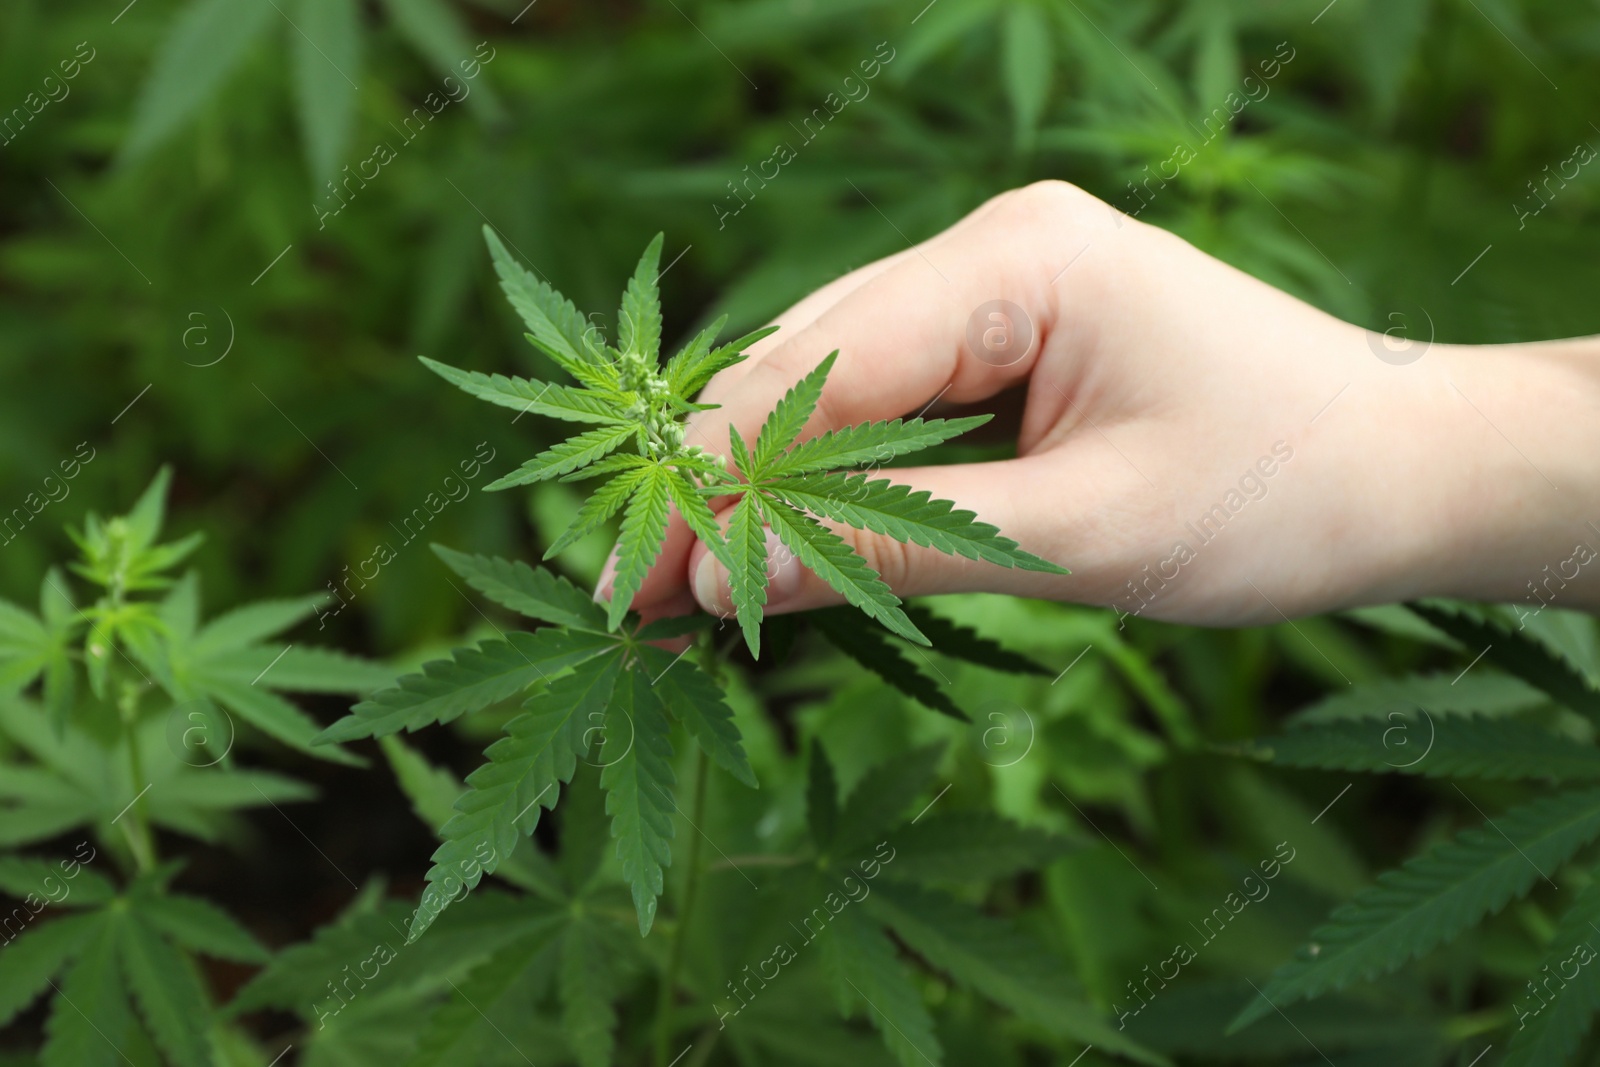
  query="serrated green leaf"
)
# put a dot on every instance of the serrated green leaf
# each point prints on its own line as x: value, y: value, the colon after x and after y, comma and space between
x: 179, y: 611
x: 587, y: 989
x: 965, y: 643
x: 999, y: 960
x: 25, y: 646
x: 970, y: 846
x: 868, y: 442
x: 22, y: 877
x: 470, y: 680
x: 852, y: 634
x: 1549, y: 1031
x: 221, y: 790
x: 204, y: 45
x: 639, y: 319
x: 598, y: 509
x: 1450, y: 693
x: 676, y: 370
x: 882, y: 797
x: 690, y: 370
x: 694, y: 700
x: 299, y: 973
x: 906, y: 514
x: 742, y: 460
x: 33, y: 959
x: 526, y: 395
x: 447, y: 1036
x: 644, y: 529
x: 89, y: 1021
x: 433, y: 791
x: 638, y: 780
x: 149, y: 512
x: 522, y: 776
x: 168, y: 993
x: 531, y: 591
x: 27, y: 824
x: 1515, y: 653
x: 835, y: 562
x: 746, y: 548
x: 1454, y: 746
x: 279, y: 719
x: 557, y: 327
x: 1434, y: 897
x: 295, y: 669
x: 436, y: 31
x: 327, y: 70
x: 200, y: 926
x: 615, y: 464
x: 253, y: 623
x: 697, y: 514
x: 568, y: 456
x: 790, y: 415
x: 73, y: 755
x: 144, y: 570
x: 866, y: 967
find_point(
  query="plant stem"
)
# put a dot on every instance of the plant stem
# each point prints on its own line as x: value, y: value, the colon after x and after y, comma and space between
x: 691, y: 888
x: 138, y: 828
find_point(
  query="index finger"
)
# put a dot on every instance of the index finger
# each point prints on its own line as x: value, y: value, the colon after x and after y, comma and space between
x: 903, y: 341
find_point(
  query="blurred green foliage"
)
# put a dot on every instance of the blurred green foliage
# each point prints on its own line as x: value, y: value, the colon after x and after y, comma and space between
x: 138, y: 222
x: 169, y: 203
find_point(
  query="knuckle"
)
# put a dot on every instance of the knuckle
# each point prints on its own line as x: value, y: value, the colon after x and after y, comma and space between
x: 1053, y: 199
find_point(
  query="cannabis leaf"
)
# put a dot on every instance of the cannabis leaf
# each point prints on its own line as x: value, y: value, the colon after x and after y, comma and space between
x: 471, y: 679
x: 1434, y: 897
x: 1550, y: 1032
x: 1465, y: 746
x: 536, y: 593
x: 637, y: 757
x: 526, y: 767
x: 130, y: 951
x: 989, y: 954
x: 639, y: 445
x: 1531, y: 660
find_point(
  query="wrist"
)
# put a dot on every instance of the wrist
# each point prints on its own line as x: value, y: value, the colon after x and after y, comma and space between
x: 1514, y: 446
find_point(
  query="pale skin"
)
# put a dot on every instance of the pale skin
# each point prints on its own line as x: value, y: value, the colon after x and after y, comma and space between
x: 1157, y: 378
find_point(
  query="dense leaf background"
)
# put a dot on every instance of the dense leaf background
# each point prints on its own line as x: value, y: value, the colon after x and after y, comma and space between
x: 172, y: 206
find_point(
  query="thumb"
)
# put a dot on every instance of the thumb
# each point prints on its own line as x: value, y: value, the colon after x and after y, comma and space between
x: 993, y: 490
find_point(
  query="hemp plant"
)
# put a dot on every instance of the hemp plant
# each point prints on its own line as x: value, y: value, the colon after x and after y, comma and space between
x: 597, y: 688
x: 119, y: 713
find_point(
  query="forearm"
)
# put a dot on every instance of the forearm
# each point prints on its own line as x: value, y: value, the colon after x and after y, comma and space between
x: 1514, y: 444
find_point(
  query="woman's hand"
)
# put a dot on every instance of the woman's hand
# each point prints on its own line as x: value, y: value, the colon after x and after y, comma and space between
x: 1195, y: 446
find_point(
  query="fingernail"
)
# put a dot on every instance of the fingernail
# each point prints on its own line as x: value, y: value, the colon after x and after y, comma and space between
x: 608, y: 578
x: 784, y: 579
x: 711, y: 586
x: 783, y: 572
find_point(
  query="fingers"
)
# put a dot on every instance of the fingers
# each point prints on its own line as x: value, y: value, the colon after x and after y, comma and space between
x: 906, y: 335
x: 795, y: 319
x: 808, y: 310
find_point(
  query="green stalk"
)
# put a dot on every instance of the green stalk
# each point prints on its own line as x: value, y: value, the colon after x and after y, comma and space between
x: 137, y: 830
x: 669, y: 977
